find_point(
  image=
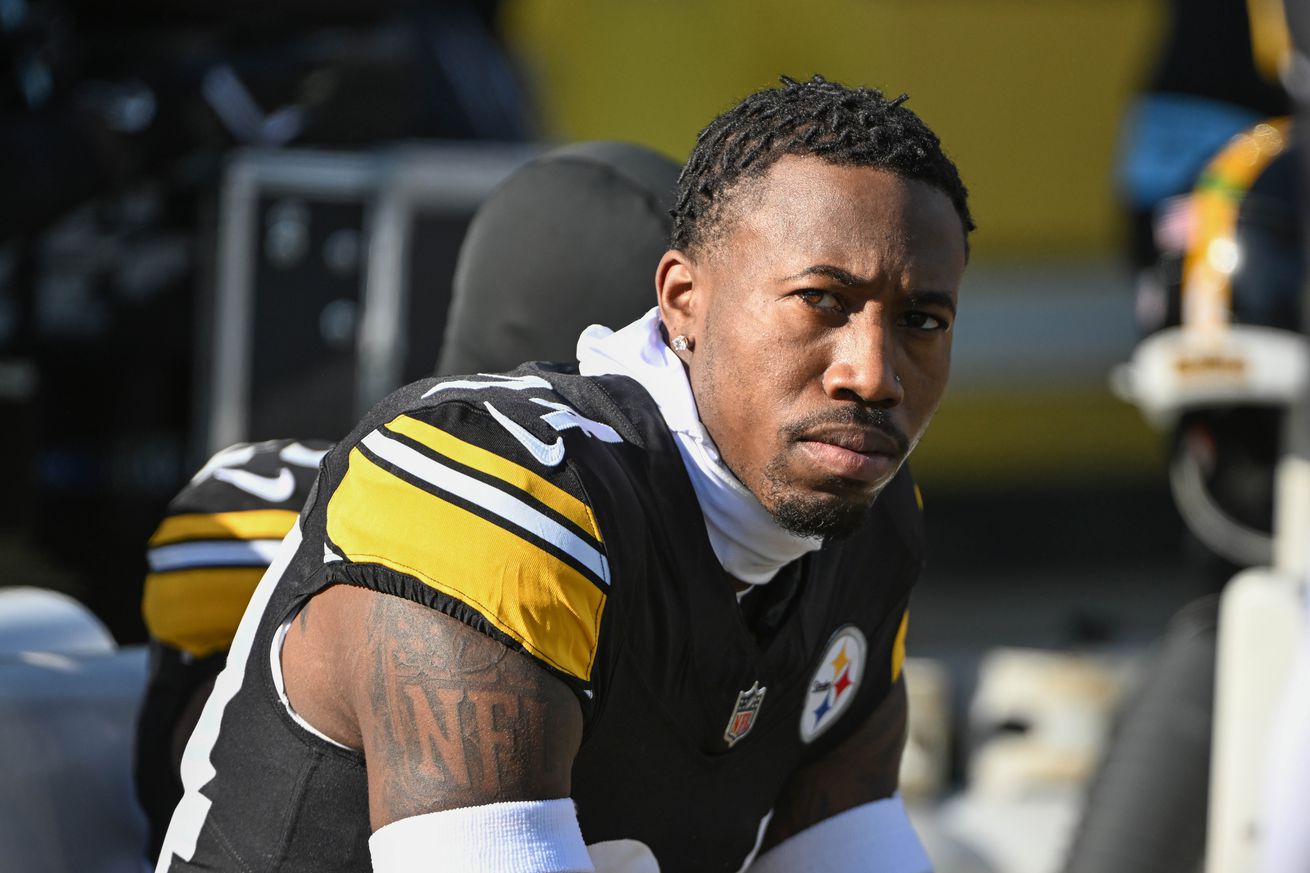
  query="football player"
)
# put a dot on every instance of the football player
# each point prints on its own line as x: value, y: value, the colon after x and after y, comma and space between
x: 646, y: 611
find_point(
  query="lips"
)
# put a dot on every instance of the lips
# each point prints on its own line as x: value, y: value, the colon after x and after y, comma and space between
x: 862, y: 454
x: 865, y: 440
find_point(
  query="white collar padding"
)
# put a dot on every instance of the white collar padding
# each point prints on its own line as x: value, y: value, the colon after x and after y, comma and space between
x: 749, y: 544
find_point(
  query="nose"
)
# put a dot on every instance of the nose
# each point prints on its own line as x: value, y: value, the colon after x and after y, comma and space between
x: 863, y: 368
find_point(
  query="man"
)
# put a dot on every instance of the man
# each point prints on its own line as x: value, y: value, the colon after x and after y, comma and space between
x: 503, y: 635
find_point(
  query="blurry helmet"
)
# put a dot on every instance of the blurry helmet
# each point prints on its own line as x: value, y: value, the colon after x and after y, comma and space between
x: 569, y: 240
x: 1225, y: 353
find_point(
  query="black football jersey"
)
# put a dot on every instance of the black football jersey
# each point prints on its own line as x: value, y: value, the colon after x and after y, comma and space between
x: 553, y: 513
x: 206, y: 557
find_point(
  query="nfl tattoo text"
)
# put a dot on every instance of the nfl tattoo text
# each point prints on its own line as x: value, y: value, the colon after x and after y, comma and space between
x: 455, y: 717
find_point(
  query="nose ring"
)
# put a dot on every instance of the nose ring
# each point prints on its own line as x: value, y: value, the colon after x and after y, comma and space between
x: 898, y: 380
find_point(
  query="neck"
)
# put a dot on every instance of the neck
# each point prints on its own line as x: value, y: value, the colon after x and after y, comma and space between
x: 749, y: 544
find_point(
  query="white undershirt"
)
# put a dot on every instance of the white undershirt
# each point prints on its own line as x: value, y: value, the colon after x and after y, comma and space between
x: 749, y: 544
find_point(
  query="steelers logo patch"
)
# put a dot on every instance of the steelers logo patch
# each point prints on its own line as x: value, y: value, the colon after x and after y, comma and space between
x: 833, y: 686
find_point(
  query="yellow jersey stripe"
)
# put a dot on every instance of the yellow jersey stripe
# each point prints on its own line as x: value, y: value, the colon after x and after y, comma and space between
x: 898, y: 646
x: 198, y: 610
x: 492, y: 464
x: 490, y: 499
x: 253, y: 524
x: 536, y: 599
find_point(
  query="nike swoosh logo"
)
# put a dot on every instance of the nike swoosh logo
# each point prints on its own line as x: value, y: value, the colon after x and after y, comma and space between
x: 232, y: 456
x: 274, y: 489
x: 548, y: 454
x: 301, y: 456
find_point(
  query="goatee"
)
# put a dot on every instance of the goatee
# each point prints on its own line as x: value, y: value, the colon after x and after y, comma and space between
x: 835, y: 510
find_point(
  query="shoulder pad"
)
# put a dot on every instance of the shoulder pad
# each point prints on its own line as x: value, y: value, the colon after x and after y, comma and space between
x: 220, y: 534
x: 530, y: 411
x: 475, y: 501
x: 273, y: 474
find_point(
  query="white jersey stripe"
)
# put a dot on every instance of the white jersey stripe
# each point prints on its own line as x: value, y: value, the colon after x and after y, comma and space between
x: 212, y: 553
x: 493, y: 500
x: 197, y: 768
x: 510, y: 383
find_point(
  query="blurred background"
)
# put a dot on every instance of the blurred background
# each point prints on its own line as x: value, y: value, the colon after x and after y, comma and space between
x: 242, y: 224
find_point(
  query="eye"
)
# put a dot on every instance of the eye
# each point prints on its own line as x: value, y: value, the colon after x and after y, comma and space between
x: 822, y: 300
x: 925, y: 321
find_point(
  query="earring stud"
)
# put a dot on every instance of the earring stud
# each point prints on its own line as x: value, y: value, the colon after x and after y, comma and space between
x: 681, y: 343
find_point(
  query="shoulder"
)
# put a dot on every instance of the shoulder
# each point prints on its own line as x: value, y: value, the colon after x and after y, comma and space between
x: 904, y: 497
x: 504, y: 448
x: 520, y: 415
x: 275, y: 474
x: 900, y: 507
x: 892, y: 535
x: 218, y: 536
x: 463, y: 494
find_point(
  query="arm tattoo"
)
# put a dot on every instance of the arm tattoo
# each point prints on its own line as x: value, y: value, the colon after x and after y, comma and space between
x: 455, y: 719
x: 865, y: 767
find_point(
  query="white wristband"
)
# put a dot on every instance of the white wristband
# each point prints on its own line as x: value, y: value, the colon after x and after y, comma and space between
x: 540, y: 836
x: 875, y: 838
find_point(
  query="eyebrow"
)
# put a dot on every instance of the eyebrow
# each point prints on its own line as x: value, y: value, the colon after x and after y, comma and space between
x: 835, y: 273
x: 932, y: 298
x: 846, y: 277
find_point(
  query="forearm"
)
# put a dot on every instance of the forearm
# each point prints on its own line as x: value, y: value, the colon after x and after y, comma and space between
x: 864, y: 768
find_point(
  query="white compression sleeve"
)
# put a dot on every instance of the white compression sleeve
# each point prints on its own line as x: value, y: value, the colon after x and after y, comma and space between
x: 876, y: 837
x: 540, y: 836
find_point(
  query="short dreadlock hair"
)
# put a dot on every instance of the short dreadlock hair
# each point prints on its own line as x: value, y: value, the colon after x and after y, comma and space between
x: 841, y: 125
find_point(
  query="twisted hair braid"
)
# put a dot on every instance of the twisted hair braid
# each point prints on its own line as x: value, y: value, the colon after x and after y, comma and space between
x: 847, y: 126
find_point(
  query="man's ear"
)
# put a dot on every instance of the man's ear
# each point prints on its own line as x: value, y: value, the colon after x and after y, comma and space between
x: 675, y: 287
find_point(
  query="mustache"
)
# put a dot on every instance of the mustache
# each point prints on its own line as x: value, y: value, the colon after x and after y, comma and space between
x: 847, y: 416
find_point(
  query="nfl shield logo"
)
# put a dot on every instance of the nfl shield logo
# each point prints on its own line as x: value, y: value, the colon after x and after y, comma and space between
x: 743, y: 715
